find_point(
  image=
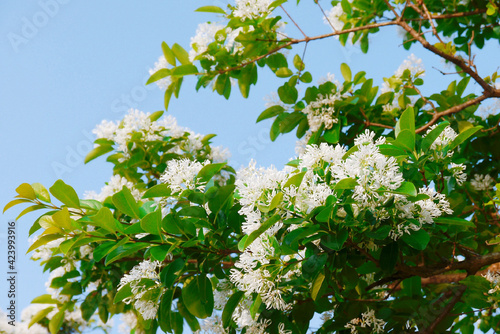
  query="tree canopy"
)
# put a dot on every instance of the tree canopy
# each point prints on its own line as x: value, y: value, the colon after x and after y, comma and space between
x: 386, y: 221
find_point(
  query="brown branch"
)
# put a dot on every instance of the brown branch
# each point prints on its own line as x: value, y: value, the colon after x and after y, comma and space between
x: 455, y: 60
x: 452, y: 110
x: 458, y: 294
x: 429, y: 17
x: 368, y: 123
x: 307, y: 39
x: 454, y: 15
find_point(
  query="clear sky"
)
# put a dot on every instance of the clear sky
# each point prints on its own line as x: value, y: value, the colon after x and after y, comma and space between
x: 65, y: 65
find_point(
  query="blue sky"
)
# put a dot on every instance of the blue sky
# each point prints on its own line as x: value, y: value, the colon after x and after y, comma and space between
x: 65, y: 65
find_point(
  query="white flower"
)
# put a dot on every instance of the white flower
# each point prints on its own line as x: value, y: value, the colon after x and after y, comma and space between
x: 321, y: 112
x: 145, y: 270
x: 251, y: 8
x: 205, y: 34
x: 368, y: 319
x: 413, y: 64
x: 333, y: 18
x: 181, y: 174
x: 494, y: 279
x: 443, y: 140
x: 482, y: 182
x: 458, y: 172
x: 115, y: 184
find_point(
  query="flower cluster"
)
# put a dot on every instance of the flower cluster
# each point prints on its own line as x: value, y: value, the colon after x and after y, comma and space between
x: 143, y: 278
x: 334, y: 18
x: 482, y: 182
x: 368, y: 319
x: 115, y: 184
x: 181, y: 174
x: 250, y: 9
x: 440, y: 145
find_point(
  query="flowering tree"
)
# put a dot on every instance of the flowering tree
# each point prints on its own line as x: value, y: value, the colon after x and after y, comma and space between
x: 386, y: 221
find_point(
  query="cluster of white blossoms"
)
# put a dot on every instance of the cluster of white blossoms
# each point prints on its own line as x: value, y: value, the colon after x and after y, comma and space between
x: 494, y: 278
x: 393, y: 84
x: 368, y: 319
x: 482, y: 182
x: 209, y: 32
x: 181, y: 174
x: 458, y: 172
x: 425, y: 211
x: 333, y: 18
x: 250, y: 9
x: 136, y: 279
x: 442, y: 141
x: 372, y: 170
x: 72, y: 319
x: 115, y: 184
x: 321, y: 112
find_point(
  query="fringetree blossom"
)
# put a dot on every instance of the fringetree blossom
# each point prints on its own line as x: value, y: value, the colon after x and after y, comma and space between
x: 387, y: 220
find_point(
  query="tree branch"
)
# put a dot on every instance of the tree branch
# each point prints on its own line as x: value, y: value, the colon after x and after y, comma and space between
x: 452, y: 110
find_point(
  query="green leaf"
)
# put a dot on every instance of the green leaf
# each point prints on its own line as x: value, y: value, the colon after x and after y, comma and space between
x: 158, y: 75
x: 431, y: 137
x: 125, y: 250
x: 276, y: 201
x: 181, y: 54
x: 454, y: 221
x: 171, y: 272
x: 348, y: 183
x: 412, y: 287
x: 41, y: 192
x: 288, y: 94
x: 346, y: 72
x: 463, y: 136
x: 97, y: 152
x: 56, y: 322
x: 298, y: 63
x: 295, y: 180
x: 231, y: 304
x: 151, y: 223
x: 405, y: 140
x: 198, y: 296
x: 221, y: 197
x: 211, y: 9
x: 44, y: 299
x: 417, y: 239
x: 283, y: 72
x: 125, y: 202
x: 159, y: 190
x: 190, y: 319
x: 263, y: 227
x: 25, y: 190
x: 389, y: 257
x: 183, y: 70
x: 124, y: 292
x: 40, y: 315
x: 208, y: 171
x: 391, y: 150
x: 270, y: 112
x: 407, y: 189
x: 104, y: 218
x: 90, y: 304
x: 167, y: 52
x: 30, y: 209
x: 43, y: 240
x: 65, y: 193
x: 406, y: 122
x: 335, y: 241
x: 15, y: 202
x: 306, y: 77
x: 159, y: 253
x: 316, y: 285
